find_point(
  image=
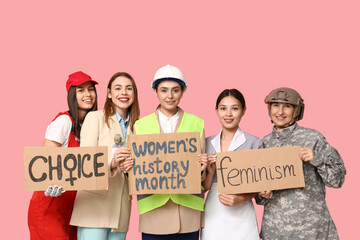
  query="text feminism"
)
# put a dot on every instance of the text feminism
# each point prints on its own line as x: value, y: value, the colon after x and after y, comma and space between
x: 258, y: 170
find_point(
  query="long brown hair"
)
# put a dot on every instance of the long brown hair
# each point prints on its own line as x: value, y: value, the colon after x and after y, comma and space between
x: 73, y: 109
x: 134, y: 109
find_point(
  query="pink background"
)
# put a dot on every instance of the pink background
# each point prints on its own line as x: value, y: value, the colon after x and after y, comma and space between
x: 255, y: 46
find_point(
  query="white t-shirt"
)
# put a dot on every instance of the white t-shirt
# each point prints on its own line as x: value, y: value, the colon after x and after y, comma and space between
x: 59, y: 130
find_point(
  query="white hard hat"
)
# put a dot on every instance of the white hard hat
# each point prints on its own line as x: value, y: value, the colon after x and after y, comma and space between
x: 169, y: 72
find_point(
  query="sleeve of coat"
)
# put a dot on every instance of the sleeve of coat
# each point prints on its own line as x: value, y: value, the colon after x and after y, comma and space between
x: 328, y: 162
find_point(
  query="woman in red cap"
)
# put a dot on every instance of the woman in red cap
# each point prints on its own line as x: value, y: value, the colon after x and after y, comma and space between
x: 50, y: 211
x: 102, y: 215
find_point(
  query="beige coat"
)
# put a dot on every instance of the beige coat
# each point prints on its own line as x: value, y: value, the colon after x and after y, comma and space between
x: 172, y: 218
x: 103, y: 209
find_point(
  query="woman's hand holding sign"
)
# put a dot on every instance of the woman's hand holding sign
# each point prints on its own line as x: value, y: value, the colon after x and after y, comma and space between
x: 120, y: 155
x: 126, y: 165
x: 211, y: 168
x: 233, y: 199
x: 54, y: 191
x: 210, y: 171
x: 203, y: 160
x: 306, y: 154
x: 266, y: 194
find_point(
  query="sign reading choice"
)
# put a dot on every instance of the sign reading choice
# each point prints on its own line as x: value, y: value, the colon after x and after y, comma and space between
x: 75, y: 168
x: 258, y: 170
x: 165, y: 163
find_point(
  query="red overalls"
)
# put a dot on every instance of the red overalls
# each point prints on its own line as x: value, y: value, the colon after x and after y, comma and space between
x: 49, y: 217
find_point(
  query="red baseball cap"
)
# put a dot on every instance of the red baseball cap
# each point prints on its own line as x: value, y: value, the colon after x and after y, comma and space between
x: 78, y: 78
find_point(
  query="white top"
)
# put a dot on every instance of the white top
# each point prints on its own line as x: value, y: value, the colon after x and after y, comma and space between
x: 59, y: 130
x: 230, y: 223
x: 168, y: 125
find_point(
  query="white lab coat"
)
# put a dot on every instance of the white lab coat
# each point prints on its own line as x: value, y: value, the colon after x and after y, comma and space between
x: 223, y: 222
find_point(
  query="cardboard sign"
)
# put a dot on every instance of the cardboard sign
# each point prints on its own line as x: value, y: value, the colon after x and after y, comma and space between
x: 165, y: 163
x: 75, y: 168
x: 249, y: 171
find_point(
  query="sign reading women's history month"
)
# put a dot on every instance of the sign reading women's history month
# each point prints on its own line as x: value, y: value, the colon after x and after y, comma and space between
x: 258, y: 170
x: 165, y: 163
x: 75, y: 168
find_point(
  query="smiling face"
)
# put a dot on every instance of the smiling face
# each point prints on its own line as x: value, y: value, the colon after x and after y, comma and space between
x: 169, y: 94
x: 230, y: 112
x: 281, y: 114
x: 85, y: 96
x: 121, y: 94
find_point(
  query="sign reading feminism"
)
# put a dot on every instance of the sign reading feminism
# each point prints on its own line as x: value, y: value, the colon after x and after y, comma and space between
x: 257, y: 170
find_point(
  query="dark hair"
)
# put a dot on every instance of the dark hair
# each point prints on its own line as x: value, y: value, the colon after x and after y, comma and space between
x: 231, y: 92
x: 167, y: 79
x: 134, y: 109
x: 73, y: 109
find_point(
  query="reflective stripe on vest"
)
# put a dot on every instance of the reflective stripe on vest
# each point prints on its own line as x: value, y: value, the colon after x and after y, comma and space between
x: 148, y: 202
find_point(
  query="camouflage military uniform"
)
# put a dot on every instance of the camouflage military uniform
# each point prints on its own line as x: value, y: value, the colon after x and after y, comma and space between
x: 302, y: 213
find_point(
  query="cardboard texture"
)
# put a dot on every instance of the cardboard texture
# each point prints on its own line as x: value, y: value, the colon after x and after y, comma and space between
x: 165, y: 163
x: 257, y: 170
x: 75, y: 168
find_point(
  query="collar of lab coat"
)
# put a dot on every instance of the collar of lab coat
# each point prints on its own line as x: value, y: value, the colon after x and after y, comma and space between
x: 237, y: 141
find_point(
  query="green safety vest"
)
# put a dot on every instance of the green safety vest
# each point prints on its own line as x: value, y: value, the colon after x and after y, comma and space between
x: 148, y: 202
